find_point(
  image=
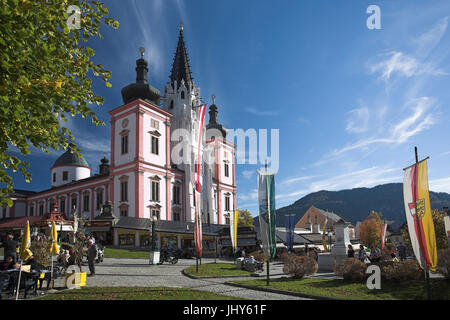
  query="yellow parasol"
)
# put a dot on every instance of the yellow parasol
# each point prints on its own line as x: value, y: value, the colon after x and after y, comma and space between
x: 25, y: 252
x: 54, y: 249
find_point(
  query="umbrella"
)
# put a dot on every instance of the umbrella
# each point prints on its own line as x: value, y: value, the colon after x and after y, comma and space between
x: 25, y: 252
x: 54, y: 249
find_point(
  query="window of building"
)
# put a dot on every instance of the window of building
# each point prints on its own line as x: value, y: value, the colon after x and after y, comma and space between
x: 154, y: 212
x: 171, y: 104
x: 124, y: 145
x: 154, y: 124
x: 182, y: 94
x: 124, y: 191
x: 54, y: 176
x: 176, y: 216
x: 227, y: 203
x: 227, y: 173
x: 126, y: 239
x: 124, y: 212
x: 176, y: 194
x: 155, y: 191
x: 99, y: 199
x: 41, y: 209
x: 86, y: 202
x: 31, y: 211
x: 155, y: 145
x: 62, y: 205
x: 193, y: 195
x: 73, y: 204
x: 227, y: 220
x: 4, y: 213
x: 65, y: 176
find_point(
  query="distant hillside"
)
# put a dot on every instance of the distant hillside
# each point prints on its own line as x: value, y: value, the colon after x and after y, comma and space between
x: 355, y: 204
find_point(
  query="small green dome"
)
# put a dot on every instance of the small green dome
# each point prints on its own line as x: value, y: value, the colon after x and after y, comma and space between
x: 68, y: 158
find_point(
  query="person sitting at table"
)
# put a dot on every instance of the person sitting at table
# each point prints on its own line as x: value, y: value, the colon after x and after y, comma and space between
x: 8, y: 264
x: 34, y: 265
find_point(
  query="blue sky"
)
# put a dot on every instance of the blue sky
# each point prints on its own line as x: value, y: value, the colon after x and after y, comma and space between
x: 350, y: 103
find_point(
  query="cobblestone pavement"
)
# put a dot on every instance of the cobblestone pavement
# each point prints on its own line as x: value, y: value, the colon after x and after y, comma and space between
x: 137, y: 272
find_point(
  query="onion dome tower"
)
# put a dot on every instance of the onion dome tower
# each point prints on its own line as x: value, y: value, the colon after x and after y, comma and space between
x: 69, y: 167
x: 213, y: 123
x: 141, y: 89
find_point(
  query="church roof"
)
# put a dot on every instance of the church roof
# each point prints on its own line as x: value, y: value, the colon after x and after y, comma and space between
x: 180, y: 67
x: 70, y: 159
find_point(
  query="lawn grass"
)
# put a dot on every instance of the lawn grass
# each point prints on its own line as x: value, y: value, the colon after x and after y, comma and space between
x: 126, y: 254
x: 215, y: 270
x: 135, y: 293
x: 340, y: 289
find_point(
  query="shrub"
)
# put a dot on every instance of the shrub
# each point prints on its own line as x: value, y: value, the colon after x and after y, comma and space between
x: 443, y: 264
x: 299, y: 266
x: 259, y: 256
x: 350, y: 269
x: 41, y: 252
x: 402, y: 271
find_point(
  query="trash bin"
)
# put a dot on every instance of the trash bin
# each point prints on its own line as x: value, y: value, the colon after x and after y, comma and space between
x: 239, y: 263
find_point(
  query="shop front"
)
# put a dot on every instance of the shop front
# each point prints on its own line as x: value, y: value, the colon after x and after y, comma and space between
x: 101, y: 230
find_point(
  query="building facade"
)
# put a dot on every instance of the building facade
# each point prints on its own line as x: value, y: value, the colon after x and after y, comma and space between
x: 143, y: 179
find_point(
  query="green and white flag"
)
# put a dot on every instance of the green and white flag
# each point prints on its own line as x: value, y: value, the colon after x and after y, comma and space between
x: 267, y: 217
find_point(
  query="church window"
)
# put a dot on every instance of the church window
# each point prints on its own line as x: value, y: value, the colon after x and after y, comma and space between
x: 226, y: 168
x: 54, y: 176
x: 176, y: 216
x: 171, y: 105
x: 99, y: 199
x: 86, y: 202
x: 227, y: 219
x: 154, y: 212
x: 182, y: 94
x: 124, y: 212
x: 124, y: 191
x: 124, y: 146
x: 62, y: 205
x: 65, y: 175
x: 176, y: 194
x: 155, y: 190
x: 155, y: 145
x: 31, y: 211
x: 227, y: 203
x: 41, y: 209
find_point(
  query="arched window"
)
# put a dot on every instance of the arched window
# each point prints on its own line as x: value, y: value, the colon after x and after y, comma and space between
x: 171, y: 104
x: 182, y: 94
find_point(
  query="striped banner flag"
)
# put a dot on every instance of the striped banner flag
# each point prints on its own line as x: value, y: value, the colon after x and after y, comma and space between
x: 418, y: 215
x: 383, y: 233
x: 197, y: 194
x: 267, y: 217
x: 290, y: 231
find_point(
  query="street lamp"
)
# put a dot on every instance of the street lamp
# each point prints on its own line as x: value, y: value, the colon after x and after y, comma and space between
x: 154, y: 256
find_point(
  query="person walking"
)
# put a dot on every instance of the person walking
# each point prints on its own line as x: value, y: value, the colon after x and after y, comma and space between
x: 401, y: 251
x: 92, y: 256
x: 350, y: 251
x: 10, y: 247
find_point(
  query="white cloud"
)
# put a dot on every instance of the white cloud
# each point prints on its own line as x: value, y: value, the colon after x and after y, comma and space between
x: 292, y: 180
x: 440, y: 185
x: 396, y: 62
x: 259, y: 112
x: 247, y: 174
x: 419, y: 120
x: 358, y: 120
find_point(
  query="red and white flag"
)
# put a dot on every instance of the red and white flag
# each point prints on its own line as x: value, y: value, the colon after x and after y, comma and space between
x: 197, y: 194
x: 383, y: 233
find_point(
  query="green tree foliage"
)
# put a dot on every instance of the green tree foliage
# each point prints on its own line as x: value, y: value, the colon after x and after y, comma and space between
x: 371, y: 230
x: 439, y: 230
x: 45, y: 76
x: 245, y: 218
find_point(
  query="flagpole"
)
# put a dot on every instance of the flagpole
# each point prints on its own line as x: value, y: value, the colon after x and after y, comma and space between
x: 268, y: 213
x: 421, y: 244
x: 18, y: 281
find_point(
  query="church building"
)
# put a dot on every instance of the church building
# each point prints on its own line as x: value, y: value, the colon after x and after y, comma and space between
x: 142, y: 180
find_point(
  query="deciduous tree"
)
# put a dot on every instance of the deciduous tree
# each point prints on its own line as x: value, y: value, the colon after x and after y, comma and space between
x: 371, y: 230
x: 45, y: 76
